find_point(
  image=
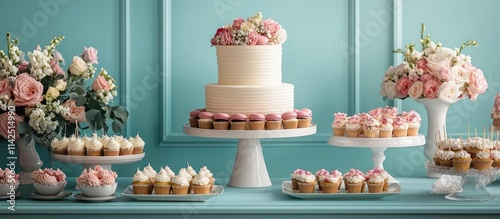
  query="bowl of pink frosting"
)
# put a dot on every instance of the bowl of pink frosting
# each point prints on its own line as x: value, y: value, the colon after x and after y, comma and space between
x: 97, y: 182
x: 48, y: 182
x: 9, y: 182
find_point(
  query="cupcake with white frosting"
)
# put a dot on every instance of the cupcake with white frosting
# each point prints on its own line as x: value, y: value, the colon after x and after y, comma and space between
x: 76, y: 147
x: 204, y: 171
x: 150, y: 172
x: 307, y: 182
x: 461, y: 161
x: 60, y: 146
x: 180, y: 184
x: 138, y: 144
x: 354, y: 181
x: 330, y: 183
x: 162, y: 183
x: 482, y: 161
x: 495, y: 155
x: 201, y: 184
x: 446, y: 158
x: 126, y: 147
x: 375, y: 182
x: 94, y: 147
x: 111, y: 147
x: 141, y: 183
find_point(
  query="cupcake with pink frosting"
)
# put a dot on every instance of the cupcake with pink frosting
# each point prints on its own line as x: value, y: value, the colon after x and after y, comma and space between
x: 273, y: 121
x: 48, y: 181
x: 400, y: 128
x: 413, y: 120
x: 385, y: 129
x: 371, y: 129
x: 339, y: 124
x: 390, y: 112
x: 354, y: 181
x: 320, y: 175
x: 97, y: 182
x: 294, y: 178
x: 304, y: 116
x: 330, y: 183
x: 290, y: 120
x: 256, y: 121
x: 353, y: 126
x: 193, y: 118
x: 9, y: 182
x: 221, y: 121
x: 206, y: 120
x: 375, y: 182
x: 238, y: 121
x: 383, y: 174
x: 362, y: 122
x: 307, y: 182
x: 376, y: 113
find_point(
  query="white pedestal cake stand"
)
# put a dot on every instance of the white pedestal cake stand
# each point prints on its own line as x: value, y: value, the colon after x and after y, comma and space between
x: 249, y: 169
x: 104, y: 161
x: 378, y: 146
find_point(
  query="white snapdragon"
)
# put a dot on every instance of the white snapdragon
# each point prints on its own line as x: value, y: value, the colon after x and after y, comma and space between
x: 105, y: 96
x: 4, y: 102
x: 7, y: 68
x: 15, y: 54
x: 90, y: 71
x: 42, y: 122
x: 39, y: 64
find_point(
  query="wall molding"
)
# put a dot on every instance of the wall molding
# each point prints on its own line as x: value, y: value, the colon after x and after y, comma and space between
x: 125, y: 59
x: 397, y: 39
x: 354, y: 29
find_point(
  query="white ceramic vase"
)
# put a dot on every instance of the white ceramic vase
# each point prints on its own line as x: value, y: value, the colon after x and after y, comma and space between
x: 436, y: 116
x: 29, y: 160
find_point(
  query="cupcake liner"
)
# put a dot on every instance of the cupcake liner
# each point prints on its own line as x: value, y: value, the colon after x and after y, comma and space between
x: 126, y: 151
x: 60, y: 151
x: 201, y: 189
x: 340, y: 131
x: 386, y: 184
x: 328, y: 187
x: 94, y: 152
x: 446, y: 163
x: 142, y: 188
x: 375, y: 187
x: 481, y: 164
x: 305, y: 187
x: 295, y: 184
x: 437, y: 161
x: 257, y: 125
x: 400, y: 132
x: 108, y: 152
x: 238, y: 125
x: 193, y: 122
x: 205, y: 124
x: 352, y: 133
x: 496, y: 163
x: 290, y: 123
x: 180, y: 190
x: 138, y: 150
x: 221, y: 125
x: 461, y: 164
x: 354, y: 187
x: 385, y: 133
x: 76, y: 152
x: 273, y: 125
x: 496, y: 122
x: 371, y: 132
x: 412, y: 131
x: 212, y: 181
x: 162, y: 189
x: 304, y: 123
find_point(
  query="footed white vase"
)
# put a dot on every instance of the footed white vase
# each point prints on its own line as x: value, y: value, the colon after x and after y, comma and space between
x: 436, y: 116
x: 29, y: 160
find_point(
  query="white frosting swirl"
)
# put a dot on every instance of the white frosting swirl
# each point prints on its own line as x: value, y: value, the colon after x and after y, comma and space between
x: 495, y: 154
x: 169, y: 171
x: 183, y: 172
x: 162, y: 176
x: 307, y: 178
x: 125, y: 144
x: 180, y: 180
x: 149, y: 171
x: 76, y: 144
x: 59, y: 144
x: 376, y: 178
x: 139, y: 176
x: 111, y: 144
x: 201, y: 180
x: 447, y: 155
x: 204, y: 171
x: 483, y: 155
x: 137, y: 141
x: 461, y: 154
x: 94, y: 144
x: 191, y: 171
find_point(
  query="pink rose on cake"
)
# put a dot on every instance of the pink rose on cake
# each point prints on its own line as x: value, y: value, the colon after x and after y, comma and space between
x: 434, y: 72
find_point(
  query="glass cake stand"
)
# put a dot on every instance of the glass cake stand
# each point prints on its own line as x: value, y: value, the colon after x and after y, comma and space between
x: 472, y: 186
x: 250, y: 169
x: 378, y: 146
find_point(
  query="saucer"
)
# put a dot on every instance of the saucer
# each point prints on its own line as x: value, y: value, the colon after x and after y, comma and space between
x: 8, y: 196
x: 82, y: 197
x: 62, y: 195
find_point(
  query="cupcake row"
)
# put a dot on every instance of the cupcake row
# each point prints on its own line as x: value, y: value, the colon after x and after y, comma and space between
x: 377, y: 123
x: 331, y: 181
x: 165, y: 181
x: 98, y: 146
x: 200, y: 118
x: 475, y: 154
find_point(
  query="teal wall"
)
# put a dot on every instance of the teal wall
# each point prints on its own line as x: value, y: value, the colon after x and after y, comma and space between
x: 160, y: 54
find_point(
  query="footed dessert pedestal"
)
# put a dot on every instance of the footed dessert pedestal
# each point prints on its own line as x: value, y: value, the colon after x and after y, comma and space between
x: 104, y: 161
x: 472, y: 187
x: 249, y: 169
x: 378, y: 146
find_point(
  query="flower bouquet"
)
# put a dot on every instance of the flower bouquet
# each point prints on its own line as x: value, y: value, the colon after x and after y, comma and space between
x: 434, y: 72
x: 39, y: 99
x: 252, y: 31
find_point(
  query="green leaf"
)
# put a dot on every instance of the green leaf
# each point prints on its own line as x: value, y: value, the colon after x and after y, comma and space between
x: 80, y: 100
x: 59, y: 76
x: 120, y: 112
x: 73, y: 95
x: 117, y: 126
x: 23, y: 128
x: 91, y: 114
x: 79, y: 90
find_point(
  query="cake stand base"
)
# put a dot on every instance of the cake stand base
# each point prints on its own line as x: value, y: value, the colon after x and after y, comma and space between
x: 249, y: 169
x: 471, y: 188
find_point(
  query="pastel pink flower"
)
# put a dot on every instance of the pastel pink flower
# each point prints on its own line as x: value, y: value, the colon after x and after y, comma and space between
x: 225, y: 37
x: 416, y: 90
x: 262, y: 40
x: 422, y: 64
x: 253, y: 38
x: 444, y: 74
x: 4, y: 124
x: 100, y: 83
x: 427, y: 77
x: 237, y: 23
x: 90, y: 55
x: 23, y: 67
x: 75, y: 113
x: 402, y: 87
x: 436, y: 62
x: 56, y: 69
x: 431, y: 89
x: 477, y: 84
x: 5, y: 88
x: 271, y: 26
x: 27, y: 91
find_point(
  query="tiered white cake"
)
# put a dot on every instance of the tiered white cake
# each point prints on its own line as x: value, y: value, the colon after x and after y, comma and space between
x: 249, y: 81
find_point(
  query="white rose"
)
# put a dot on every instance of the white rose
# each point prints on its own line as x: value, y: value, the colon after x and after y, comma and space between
x: 247, y: 26
x: 460, y: 74
x: 78, y: 66
x: 416, y: 90
x: 61, y: 85
x: 449, y: 92
x: 416, y: 55
x: 390, y: 89
x: 281, y: 36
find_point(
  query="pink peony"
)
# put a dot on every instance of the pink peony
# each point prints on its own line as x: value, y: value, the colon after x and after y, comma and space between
x: 90, y: 55
x: 477, y: 84
x: 237, y: 23
x: 431, y: 88
x: 27, y: 91
x: 402, y: 87
x: 100, y: 83
x: 76, y: 113
x: 5, y: 88
x: 5, y: 126
x: 253, y: 38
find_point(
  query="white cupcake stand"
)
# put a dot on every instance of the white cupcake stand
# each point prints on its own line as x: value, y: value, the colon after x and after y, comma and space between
x: 104, y: 161
x: 378, y: 146
x: 249, y: 169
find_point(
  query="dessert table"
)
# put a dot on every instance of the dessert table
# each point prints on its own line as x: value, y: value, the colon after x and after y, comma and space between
x: 415, y: 201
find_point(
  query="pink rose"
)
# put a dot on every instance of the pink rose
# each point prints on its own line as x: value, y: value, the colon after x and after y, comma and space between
x: 75, y: 113
x: 262, y: 40
x: 427, y: 77
x: 422, y: 64
x: 100, y: 83
x: 5, y: 88
x: 54, y: 65
x: 431, y: 88
x: 477, y: 84
x: 90, y: 55
x: 27, y: 91
x: 402, y: 87
x: 438, y: 61
x: 271, y: 26
x: 4, y: 125
x: 444, y: 74
x: 416, y: 90
x: 237, y: 23
x: 226, y: 38
x: 23, y: 67
x: 253, y: 38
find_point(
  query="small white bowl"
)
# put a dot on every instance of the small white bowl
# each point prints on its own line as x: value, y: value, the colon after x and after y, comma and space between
x: 5, y: 188
x: 100, y: 191
x: 49, y: 190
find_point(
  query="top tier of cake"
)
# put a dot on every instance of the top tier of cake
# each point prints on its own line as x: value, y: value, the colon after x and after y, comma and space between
x: 249, y: 65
